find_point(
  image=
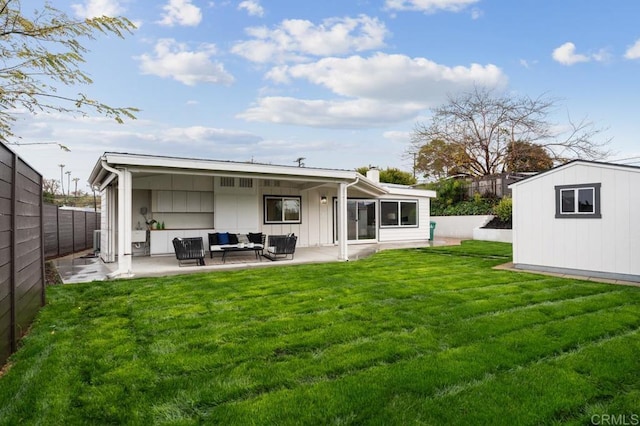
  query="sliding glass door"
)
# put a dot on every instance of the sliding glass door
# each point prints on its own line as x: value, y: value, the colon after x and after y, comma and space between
x: 361, y: 220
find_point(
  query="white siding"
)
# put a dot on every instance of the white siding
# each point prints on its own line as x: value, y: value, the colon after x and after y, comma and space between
x: 609, y: 244
x: 237, y: 213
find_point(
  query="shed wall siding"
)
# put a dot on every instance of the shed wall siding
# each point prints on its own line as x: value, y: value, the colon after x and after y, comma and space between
x: 610, y: 244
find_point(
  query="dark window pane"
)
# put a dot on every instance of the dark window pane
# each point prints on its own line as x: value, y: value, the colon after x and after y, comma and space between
x: 568, y: 201
x: 408, y: 213
x: 389, y: 213
x: 274, y: 210
x: 585, y: 200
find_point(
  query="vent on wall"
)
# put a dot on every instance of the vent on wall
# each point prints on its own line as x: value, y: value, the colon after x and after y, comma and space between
x: 245, y: 183
x: 227, y: 182
x: 271, y: 183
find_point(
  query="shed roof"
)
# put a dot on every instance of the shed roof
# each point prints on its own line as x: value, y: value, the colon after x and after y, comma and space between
x: 574, y: 163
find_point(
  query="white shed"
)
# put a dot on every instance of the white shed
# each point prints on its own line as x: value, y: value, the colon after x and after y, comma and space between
x: 581, y: 218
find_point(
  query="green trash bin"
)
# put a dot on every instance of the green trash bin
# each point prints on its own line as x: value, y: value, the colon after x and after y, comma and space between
x: 432, y: 229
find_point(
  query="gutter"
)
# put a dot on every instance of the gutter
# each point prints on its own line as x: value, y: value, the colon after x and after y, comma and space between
x: 115, y: 172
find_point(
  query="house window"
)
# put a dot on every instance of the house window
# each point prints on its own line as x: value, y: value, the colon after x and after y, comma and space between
x: 282, y: 209
x: 398, y: 213
x: 578, y: 201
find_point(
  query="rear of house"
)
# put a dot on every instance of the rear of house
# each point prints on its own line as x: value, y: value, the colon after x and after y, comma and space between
x: 193, y: 197
x: 580, y: 218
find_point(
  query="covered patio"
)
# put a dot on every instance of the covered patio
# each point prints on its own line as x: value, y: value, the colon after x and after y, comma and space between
x: 81, y: 267
x: 147, y: 201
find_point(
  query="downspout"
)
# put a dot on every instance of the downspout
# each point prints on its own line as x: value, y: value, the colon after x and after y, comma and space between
x: 342, y: 219
x: 124, y: 264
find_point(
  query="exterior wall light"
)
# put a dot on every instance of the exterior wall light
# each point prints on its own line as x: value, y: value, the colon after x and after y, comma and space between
x: 323, y: 199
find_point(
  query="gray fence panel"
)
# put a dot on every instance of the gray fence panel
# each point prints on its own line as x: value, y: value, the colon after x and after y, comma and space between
x: 68, y: 231
x: 50, y: 216
x: 79, y: 232
x: 21, y: 249
x: 65, y: 232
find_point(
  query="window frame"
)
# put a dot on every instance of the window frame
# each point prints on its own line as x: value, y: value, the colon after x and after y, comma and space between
x: 282, y: 220
x: 576, y: 214
x: 399, y: 214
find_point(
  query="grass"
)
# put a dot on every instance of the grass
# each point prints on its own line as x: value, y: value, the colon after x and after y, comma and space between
x: 427, y: 336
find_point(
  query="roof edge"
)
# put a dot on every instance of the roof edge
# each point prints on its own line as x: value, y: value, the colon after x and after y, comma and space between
x: 574, y: 162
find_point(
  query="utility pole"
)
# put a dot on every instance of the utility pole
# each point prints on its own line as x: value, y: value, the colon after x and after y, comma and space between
x: 68, y: 173
x: 61, y: 178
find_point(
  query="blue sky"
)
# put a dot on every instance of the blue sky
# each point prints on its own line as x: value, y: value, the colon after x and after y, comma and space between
x: 341, y: 83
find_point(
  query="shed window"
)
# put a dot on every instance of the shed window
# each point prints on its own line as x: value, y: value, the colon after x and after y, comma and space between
x: 578, y: 201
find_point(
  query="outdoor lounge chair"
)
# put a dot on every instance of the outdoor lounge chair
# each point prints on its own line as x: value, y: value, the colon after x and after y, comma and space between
x: 189, y: 249
x: 280, y: 246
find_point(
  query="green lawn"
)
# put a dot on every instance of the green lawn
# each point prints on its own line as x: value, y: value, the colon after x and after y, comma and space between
x: 427, y: 336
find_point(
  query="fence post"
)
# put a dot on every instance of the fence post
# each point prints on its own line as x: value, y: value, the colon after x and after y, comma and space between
x: 43, y: 299
x: 12, y: 288
x: 58, y: 230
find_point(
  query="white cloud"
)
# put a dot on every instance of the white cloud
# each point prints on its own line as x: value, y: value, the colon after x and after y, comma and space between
x: 296, y: 39
x: 350, y: 114
x: 396, y: 78
x: 633, y: 52
x: 202, y: 135
x: 566, y: 54
x: 97, y: 8
x: 180, y: 12
x: 375, y: 91
x: 252, y: 7
x: 429, y: 6
x: 476, y: 13
x: 173, y: 60
x: 398, y: 136
x: 602, y: 55
x: 89, y: 137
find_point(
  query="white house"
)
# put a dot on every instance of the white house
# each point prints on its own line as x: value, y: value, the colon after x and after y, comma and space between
x: 193, y: 197
x: 580, y: 218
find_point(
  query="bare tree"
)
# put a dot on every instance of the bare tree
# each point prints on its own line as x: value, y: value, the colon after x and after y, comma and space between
x: 40, y: 52
x: 50, y: 186
x: 475, y: 131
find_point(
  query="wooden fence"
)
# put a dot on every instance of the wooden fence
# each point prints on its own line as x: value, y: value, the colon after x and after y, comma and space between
x: 22, y: 285
x: 497, y: 185
x: 68, y: 231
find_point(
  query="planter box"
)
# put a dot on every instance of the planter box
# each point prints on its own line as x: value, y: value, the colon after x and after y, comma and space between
x: 498, y: 235
x: 458, y: 226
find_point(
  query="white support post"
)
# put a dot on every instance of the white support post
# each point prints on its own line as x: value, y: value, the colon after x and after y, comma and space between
x: 124, y: 222
x: 108, y: 228
x: 342, y: 222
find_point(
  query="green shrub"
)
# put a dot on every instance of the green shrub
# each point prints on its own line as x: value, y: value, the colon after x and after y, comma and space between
x: 504, y: 209
x: 475, y: 207
x: 449, y: 192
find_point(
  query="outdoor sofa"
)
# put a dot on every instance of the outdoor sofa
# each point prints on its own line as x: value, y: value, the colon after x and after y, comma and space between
x: 219, y: 241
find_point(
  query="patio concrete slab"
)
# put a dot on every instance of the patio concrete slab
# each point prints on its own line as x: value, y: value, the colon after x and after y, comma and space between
x: 83, y: 267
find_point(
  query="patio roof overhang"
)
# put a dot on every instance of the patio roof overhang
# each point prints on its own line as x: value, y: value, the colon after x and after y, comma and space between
x: 150, y: 164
